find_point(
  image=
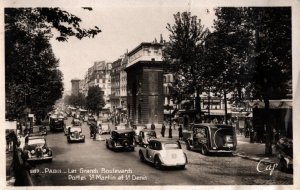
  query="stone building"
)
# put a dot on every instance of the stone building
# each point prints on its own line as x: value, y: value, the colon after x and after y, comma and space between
x: 145, y: 92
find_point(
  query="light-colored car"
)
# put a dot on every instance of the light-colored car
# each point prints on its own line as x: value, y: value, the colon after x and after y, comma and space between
x: 76, y: 122
x: 75, y: 134
x: 163, y: 153
x: 105, y: 128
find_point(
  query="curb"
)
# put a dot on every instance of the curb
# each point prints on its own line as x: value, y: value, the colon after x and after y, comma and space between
x: 264, y: 160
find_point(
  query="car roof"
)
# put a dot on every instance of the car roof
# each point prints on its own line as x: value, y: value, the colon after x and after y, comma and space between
x: 36, y: 137
x: 124, y: 131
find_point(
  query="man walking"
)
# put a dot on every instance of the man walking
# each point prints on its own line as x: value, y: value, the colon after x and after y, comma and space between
x: 163, y: 129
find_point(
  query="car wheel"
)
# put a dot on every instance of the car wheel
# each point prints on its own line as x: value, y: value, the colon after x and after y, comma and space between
x: 182, y: 167
x: 50, y: 160
x: 132, y: 149
x: 188, y: 146
x: 204, y: 150
x: 157, y: 163
x: 142, y: 158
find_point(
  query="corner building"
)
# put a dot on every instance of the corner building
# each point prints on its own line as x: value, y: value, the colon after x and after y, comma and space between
x: 145, y: 95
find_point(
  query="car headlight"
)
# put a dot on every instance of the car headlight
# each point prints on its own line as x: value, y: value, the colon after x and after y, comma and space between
x: 44, y: 150
x: 32, y: 152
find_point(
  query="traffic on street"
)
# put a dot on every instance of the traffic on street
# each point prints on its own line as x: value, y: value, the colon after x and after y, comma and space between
x: 91, y: 163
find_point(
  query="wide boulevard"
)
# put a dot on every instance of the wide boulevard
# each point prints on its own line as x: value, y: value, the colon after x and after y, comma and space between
x: 90, y: 163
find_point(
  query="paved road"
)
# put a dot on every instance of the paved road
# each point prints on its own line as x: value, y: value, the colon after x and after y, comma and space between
x: 93, y: 155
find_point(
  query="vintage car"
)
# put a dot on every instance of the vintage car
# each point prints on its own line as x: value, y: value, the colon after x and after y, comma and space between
x: 121, y: 139
x: 163, y: 153
x: 75, y: 134
x: 35, y: 148
x: 56, y: 123
x: 212, y: 138
x: 105, y: 128
x: 76, y: 122
x: 144, y: 135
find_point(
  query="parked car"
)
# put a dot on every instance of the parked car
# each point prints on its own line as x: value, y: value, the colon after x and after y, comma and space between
x: 163, y: 153
x: 212, y: 138
x: 35, y: 148
x: 76, y: 122
x: 105, y: 128
x: 75, y: 134
x: 143, y: 137
x: 121, y: 139
x: 284, y: 152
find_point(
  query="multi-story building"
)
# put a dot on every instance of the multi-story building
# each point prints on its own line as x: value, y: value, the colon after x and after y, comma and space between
x: 99, y: 75
x: 123, y: 82
x: 115, y: 84
x: 75, y: 86
x: 145, y: 95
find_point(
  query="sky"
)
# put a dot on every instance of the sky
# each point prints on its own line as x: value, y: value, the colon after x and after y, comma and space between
x: 123, y: 28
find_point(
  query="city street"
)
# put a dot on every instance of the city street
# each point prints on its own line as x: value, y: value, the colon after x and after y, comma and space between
x: 93, y: 156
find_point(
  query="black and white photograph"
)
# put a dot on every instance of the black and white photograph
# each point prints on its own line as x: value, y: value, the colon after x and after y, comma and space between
x: 149, y: 94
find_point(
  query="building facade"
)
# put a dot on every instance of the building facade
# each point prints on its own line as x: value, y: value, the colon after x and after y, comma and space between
x: 145, y: 95
x: 75, y: 86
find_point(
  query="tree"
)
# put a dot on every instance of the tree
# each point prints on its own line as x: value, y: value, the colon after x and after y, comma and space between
x: 77, y: 100
x: 226, y: 51
x: 261, y: 39
x: 184, y: 52
x: 33, y: 80
x: 95, y: 100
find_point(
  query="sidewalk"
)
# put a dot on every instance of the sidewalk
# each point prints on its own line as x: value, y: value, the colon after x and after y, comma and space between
x: 252, y: 151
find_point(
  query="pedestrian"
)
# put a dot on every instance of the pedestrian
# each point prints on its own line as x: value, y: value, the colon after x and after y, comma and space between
x: 163, y: 129
x: 180, y: 132
x: 170, y: 131
x: 152, y: 126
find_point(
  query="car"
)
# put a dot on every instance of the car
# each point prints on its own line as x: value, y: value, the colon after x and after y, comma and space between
x: 56, y: 123
x: 75, y: 134
x: 35, y: 148
x: 76, y: 122
x: 105, y: 128
x: 121, y: 139
x: 163, y: 153
x: 212, y: 138
x: 39, y: 130
x: 143, y: 137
